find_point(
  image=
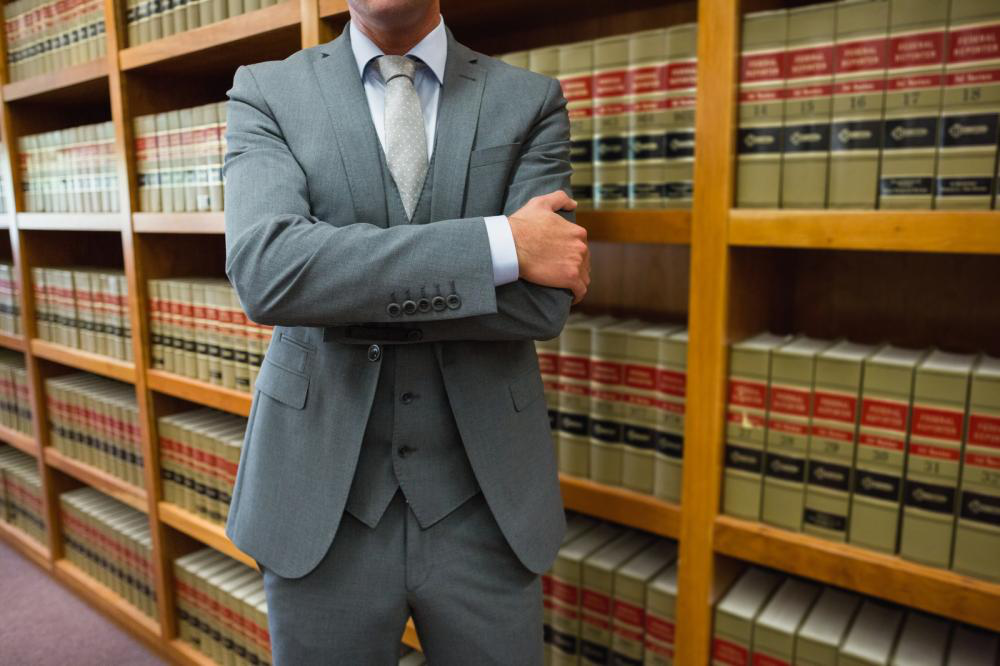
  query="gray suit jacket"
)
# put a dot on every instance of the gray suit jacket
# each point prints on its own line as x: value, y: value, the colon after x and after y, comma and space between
x: 309, y: 251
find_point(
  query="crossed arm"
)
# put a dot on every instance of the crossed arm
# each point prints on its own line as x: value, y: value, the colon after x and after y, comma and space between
x: 290, y: 268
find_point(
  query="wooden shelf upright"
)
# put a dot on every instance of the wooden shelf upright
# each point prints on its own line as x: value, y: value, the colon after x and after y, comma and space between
x: 729, y: 272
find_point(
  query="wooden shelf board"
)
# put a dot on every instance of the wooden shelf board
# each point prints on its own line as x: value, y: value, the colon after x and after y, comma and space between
x: 123, y: 371
x: 876, y: 574
x: 202, y: 393
x: 24, y: 543
x: 207, y: 532
x: 71, y: 221
x: 19, y: 440
x: 257, y: 23
x: 97, y: 478
x: 410, y: 635
x: 973, y: 232
x: 186, y: 654
x: 332, y: 8
x: 95, y: 71
x: 179, y: 223
x: 671, y: 227
x: 15, y: 342
x: 621, y: 505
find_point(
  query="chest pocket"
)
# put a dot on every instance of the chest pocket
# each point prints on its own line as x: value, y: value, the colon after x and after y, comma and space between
x: 284, y: 373
x: 505, y: 152
x: 489, y: 175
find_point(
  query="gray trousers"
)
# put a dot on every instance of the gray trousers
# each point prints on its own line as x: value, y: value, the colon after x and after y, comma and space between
x: 472, y: 601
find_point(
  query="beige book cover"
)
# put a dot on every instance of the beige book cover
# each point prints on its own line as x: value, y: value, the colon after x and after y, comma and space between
x: 886, y: 401
x: 155, y: 303
x: 937, y: 433
x: 575, y: 70
x: 807, y: 105
x: 217, y: 154
x: 611, y: 122
x: 576, y: 526
x: 137, y: 22
x: 793, y: 370
x: 628, y: 613
x: 516, y: 58
x: 161, y: 160
x: 977, y: 533
x: 647, y: 55
x: 819, y: 638
x: 145, y: 131
x: 671, y: 385
x: 735, y: 614
x: 212, y: 298
x: 188, y: 160
x: 872, y: 637
x: 859, y: 67
x: 682, y: 80
x: 548, y: 367
x: 661, y: 615
x: 966, y: 166
x: 200, y: 323
x: 917, y: 37
x: 202, y: 119
x: 923, y: 641
x: 761, y: 108
x: 973, y: 647
x: 775, y: 628
x: 746, y: 424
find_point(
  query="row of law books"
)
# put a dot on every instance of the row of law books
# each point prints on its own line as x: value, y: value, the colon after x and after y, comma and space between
x: 609, y: 598
x: 616, y: 393
x: 221, y: 608
x: 410, y: 657
x: 199, y: 455
x: 15, y: 394
x: 45, y: 36
x: 21, y: 493
x: 631, y: 105
x: 110, y: 542
x: 85, y: 308
x: 147, y: 20
x: 179, y: 159
x: 891, y: 449
x: 71, y: 170
x: 870, y: 104
x: 95, y: 420
x: 768, y: 618
x: 10, y: 310
x: 199, y: 330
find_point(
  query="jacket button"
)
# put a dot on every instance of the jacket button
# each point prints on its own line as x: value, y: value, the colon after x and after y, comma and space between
x: 424, y: 305
x: 404, y: 451
x: 409, y: 307
x: 453, y: 301
x: 374, y: 353
x: 393, y: 309
x: 415, y: 335
x: 438, y: 303
x: 406, y: 398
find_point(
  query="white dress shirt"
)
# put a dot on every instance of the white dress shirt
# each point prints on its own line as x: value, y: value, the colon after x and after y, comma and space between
x: 432, y: 50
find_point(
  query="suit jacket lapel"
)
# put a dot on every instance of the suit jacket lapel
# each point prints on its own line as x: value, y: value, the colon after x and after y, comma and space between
x: 458, y: 118
x: 347, y: 104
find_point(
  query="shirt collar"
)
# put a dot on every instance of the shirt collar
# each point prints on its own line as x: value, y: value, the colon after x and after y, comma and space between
x: 432, y: 50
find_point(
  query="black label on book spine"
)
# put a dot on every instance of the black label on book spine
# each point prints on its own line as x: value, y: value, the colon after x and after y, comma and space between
x: 619, y: 659
x: 594, y: 653
x: 978, y: 129
x: 906, y: 186
x: 829, y: 475
x: 879, y: 486
x: 566, y: 643
x: 910, y: 133
x: 574, y: 424
x: 649, y: 146
x: 930, y: 497
x: 610, y: 149
x: 855, y: 135
x: 739, y: 457
x: 825, y: 520
x: 606, y: 431
x: 670, y: 444
x: 808, y: 138
x: 680, y: 144
x: 759, y: 140
x: 981, y: 508
x: 640, y: 438
x: 553, y: 419
x: 964, y: 187
x: 679, y: 189
x: 785, y: 467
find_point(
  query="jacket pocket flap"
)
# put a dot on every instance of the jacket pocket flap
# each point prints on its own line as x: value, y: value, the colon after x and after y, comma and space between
x: 493, y: 154
x: 526, y: 388
x: 282, y: 384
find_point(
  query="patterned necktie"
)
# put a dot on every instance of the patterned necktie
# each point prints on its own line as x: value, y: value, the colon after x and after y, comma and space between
x: 405, y: 136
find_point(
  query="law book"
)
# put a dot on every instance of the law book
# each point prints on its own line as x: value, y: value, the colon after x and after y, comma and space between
x: 761, y: 109
x: 833, y: 437
x: 145, y: 135
x: 977, y: 532
x: 966, y: 163
x: 608, y: 405
x: 872, y: 637
x: 790, y: 399
x: 661, y: 616
x: 598, y: 594
x: 628, y: 613
x: 886, y: 401
x: 860, y: 59
x: 671, y: 385
x: 973, y: 647
x: 807, y: 106
x: 937, y: 433
x: 548, y: 367
x: 923, y: 641
x: 818, y: 640
x: 611, y: 122
x: 576, y: 526
x: 746, y: 424
x: 642, y: 348
x: 682, y: 81
x: 412, y: 659
x: 917, y: 32
x: 735, y: 614
x: 567, y: 583
x: 574, y: 394
x: 647, y: 55
x: 516, y: 58
x: 776, y: 627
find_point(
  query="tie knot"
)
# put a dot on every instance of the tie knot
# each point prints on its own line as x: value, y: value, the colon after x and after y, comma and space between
x: 391, y: 66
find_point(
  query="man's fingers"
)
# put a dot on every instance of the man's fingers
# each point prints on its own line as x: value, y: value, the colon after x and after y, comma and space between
x: 557, y: 200
x: 579, y: 291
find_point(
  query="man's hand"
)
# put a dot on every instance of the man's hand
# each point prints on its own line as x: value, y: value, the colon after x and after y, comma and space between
x: 551, y: 251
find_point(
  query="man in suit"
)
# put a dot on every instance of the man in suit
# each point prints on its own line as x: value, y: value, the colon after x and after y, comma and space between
x: 397, y: 207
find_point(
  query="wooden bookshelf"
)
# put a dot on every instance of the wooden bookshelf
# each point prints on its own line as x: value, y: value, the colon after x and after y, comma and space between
x: 203, y: 393
x: 19, y: 440
x: 620, y: 505
x: 15, y: 342
x: 665, y: 227
x: 72, y: 221
x: 97, y: 478
x: 24, y: 544
x: 207, y: 532
x: 179, y: 223
x: 410, y: 635
x: 123, y: 371
x: 89, y: 75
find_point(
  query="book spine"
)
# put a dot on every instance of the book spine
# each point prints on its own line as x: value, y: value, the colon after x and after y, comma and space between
x: 786, y: 449
x: 574, y: 413
x: 639, y: 424
x: 628, y: 619
x: 682, y: 80
x: 671, y: 387
x: 647, y: 84
x: 565, y: 621
x: 606, y: 417
x: 746, y: 425
x: 611, y: 121
x: 595, y: 624
x: 576, y: 76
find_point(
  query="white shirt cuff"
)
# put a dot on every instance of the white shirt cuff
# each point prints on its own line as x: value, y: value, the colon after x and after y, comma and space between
x: 502, y: 249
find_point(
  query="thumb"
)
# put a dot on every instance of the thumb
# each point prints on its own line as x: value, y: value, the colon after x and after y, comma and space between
x: 557, y: 200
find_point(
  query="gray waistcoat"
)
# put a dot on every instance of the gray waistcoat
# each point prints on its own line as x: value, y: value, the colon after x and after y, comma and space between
x: 411, y: 440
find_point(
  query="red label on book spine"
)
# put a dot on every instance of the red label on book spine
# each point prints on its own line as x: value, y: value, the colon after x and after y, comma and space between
x: 984, y: 430
x: 916, y: 50
x: 977, y: 43
x: 729, y: 653
x: 835, y: 407
x: 659, y: 628
x: 938, y: 423
x: 811, y: 61
x: 744, y: 393
x: 762, y: 67
x: 884, y: 414
x: 862, y: 55
x: 790, y: 401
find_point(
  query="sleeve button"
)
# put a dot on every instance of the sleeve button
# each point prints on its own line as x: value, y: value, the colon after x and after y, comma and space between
x: 393, y: 309
x: 409, y: 307
x: 453, y: 301
x: 424, y: 305
x: 438, y: 303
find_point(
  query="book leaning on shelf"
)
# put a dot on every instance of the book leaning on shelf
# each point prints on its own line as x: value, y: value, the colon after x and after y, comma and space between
x: 46, y: 37
x: 15, y: 398
x: 21, y: 493
x: 147, y: 20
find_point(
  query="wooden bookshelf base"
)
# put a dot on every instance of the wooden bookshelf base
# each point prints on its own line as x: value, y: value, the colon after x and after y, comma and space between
x: 203, y: 393
x: 207, y: 532
x: 97, y: 478
x: 23, y: 543
x: 889, y: 577
x: 123, y: 371
x: 19, y: 440
x: 620, y: 505
x: 15, y: 342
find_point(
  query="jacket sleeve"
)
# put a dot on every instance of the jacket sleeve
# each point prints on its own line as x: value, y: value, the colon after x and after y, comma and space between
x: 290, y: 268
x: 524, y: 310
